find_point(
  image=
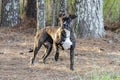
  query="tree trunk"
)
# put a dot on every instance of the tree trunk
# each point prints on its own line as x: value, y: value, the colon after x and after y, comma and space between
x: 90, y: 18
x: 63, y: 6
x: 24, y: 5
x: 0, y: 10
x: 40, y: 14
x: 10, y: 13
x: 31, y: 9
x: 54, y: 16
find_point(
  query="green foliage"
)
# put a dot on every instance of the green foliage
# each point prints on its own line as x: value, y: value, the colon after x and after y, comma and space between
x: 100, y: 75
x: 111, y: 9
x: 71, y: 6
x: 0, y: 9
x: 49, y: 7
x: 21, y: 8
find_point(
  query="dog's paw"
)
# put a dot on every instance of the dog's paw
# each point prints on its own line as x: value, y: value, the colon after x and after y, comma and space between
x: 44, y: 61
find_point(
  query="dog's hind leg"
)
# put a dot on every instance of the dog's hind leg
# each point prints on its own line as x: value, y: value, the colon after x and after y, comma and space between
x: 38, y: 43
x: 46, y: 44
x: 47, y: 52
x: 35, y: 52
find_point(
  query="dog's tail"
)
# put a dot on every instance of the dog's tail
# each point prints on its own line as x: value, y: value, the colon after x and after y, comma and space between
x: 30, y: 50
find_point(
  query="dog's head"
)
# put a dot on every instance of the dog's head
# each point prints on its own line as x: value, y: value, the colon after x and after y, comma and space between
x: 66, y: 27
x: 67, y: 21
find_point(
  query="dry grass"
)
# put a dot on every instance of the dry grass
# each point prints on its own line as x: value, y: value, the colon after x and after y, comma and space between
x: 93, y: 58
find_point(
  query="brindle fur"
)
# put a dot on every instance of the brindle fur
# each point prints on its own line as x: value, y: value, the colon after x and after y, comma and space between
x: 50, y: 36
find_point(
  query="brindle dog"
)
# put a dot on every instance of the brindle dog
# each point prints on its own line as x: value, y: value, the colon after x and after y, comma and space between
x: 62, y: 36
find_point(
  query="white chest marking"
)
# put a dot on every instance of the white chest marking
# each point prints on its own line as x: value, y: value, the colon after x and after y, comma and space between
x: 67, y: 43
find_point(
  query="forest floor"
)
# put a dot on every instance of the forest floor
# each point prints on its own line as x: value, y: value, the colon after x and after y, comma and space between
x: 92, y: 57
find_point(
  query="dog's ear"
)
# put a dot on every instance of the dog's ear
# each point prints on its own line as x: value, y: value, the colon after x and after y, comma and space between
x: 72, y: 16
x: 61, y: 15
x: 60, y: 22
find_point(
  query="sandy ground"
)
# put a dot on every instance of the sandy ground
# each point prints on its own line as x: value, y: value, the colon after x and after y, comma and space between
x: 90, y: 55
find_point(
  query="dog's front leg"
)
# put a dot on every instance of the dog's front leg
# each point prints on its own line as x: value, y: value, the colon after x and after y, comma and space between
x: 57, y: 53
x: 72, y: 57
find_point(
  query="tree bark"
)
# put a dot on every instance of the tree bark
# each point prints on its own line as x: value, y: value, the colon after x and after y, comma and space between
x: 10, y: 13
x: 40, y: 14
x: 31, y: 9
x: 90, y: 18
x: 0, y: 11
x: 63, y: 7
x: 54, y: 16
x: 23, y: 7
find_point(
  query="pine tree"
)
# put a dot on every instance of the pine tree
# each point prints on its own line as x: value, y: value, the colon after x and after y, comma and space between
x: 90, y: 18
x: 63, y: 6
x: 54, y: 14
x: 10, y: 13
x: 31, y: 11
x: 40, y: 14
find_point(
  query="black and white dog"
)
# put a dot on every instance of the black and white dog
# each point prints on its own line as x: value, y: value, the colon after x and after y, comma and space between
x: 62, y: 36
